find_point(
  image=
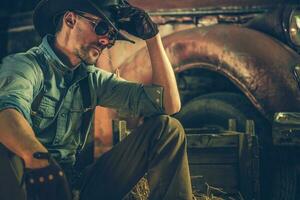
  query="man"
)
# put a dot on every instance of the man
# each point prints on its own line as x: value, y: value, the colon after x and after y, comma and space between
x: 47, y: 96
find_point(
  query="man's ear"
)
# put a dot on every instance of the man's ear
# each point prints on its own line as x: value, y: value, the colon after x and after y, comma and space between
x: 70, y: 19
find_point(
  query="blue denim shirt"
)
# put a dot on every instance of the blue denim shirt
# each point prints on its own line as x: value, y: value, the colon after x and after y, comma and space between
x: 58, y: 118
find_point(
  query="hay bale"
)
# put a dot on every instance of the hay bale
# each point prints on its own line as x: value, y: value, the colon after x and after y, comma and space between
x: 140, y: 191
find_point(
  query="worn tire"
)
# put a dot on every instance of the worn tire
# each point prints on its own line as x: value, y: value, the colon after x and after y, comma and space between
x: 213, y: 111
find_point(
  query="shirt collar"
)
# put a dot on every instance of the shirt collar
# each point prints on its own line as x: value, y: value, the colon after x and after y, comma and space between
x: 52, y: 57
x: 82, y: 68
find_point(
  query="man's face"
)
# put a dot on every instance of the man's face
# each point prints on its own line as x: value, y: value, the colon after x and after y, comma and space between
x: 89, y: 45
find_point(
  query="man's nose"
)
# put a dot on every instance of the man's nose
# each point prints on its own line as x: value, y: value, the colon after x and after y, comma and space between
x: 104, y: 40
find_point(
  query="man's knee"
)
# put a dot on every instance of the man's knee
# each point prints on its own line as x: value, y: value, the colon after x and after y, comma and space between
x: 170, y: 126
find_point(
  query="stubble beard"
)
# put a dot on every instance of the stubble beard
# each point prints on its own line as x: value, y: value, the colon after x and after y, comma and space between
x: 88, y: 55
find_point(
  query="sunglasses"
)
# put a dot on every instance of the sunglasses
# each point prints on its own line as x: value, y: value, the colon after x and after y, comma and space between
x: 101, y: 28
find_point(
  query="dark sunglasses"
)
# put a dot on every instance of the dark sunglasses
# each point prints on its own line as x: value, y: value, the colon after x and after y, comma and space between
x: 101, y: 28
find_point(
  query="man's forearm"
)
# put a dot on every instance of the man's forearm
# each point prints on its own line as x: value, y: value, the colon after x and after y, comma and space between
x: 17, y: 135
x: 163, y: 74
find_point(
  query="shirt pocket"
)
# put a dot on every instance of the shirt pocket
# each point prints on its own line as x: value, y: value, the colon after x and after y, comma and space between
x: 76, y: 113
x: 77, y: 110
x: 45, y: 114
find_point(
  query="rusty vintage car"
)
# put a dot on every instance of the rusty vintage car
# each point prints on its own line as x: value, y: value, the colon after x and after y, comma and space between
x: 233, y: 60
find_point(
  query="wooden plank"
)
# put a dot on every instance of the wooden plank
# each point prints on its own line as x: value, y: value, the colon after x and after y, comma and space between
x: 212, y: 140
x: 232, y: 124
x: 249, y: 166
x: 200, y: 131
x: 212, y: 156
x: 221, y: 176
x: 244, y: 167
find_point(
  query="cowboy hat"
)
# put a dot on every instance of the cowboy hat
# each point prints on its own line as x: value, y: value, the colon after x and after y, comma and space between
x: 45, y: 12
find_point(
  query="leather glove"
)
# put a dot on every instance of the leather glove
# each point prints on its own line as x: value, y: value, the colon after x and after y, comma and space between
x: 48, y: 183
x: 135, y: 21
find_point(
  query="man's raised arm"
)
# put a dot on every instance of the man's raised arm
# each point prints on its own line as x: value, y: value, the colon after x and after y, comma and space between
x: 141, y: 25
x: 163, y: 74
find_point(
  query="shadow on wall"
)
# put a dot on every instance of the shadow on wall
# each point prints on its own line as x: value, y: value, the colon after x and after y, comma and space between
x: 16, y: 31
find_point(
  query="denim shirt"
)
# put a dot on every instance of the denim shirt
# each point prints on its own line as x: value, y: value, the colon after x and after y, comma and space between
x: 58, y: 118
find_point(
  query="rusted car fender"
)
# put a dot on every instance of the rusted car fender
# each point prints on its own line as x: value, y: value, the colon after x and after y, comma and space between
x: 259, y: 65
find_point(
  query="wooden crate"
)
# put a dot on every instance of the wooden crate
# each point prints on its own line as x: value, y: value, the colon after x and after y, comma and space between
x: 228, y: 160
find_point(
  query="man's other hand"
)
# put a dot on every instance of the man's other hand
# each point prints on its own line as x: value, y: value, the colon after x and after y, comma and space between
x: 136, y: 21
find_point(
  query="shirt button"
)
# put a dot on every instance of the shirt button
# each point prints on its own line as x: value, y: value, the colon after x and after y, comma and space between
x: 63, y: 114
x: 157, y: 100
x: 158, y: 91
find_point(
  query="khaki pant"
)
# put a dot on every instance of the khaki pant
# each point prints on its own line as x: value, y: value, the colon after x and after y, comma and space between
x: 157, y: 147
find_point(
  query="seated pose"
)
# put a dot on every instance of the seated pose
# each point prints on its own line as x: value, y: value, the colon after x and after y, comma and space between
x: 48, y: 95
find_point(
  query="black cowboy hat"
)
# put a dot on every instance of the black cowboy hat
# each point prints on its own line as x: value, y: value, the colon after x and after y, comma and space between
x: 47, y: 10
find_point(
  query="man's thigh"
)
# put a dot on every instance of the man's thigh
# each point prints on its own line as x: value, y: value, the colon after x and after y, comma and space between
x: 11, y: 172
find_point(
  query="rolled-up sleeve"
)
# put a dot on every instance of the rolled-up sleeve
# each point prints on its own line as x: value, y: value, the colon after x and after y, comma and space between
x: 132, y: 98
x: 18, y: 81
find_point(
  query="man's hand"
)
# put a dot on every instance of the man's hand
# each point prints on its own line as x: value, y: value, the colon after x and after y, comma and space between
x: 136, y: 21
x: 33, y: 163
x: 47, y: 183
